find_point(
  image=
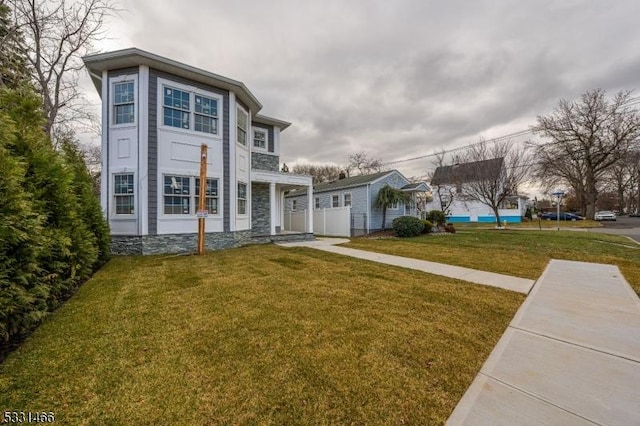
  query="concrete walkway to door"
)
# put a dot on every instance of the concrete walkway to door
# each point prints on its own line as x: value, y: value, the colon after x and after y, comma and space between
x: 521, y: 285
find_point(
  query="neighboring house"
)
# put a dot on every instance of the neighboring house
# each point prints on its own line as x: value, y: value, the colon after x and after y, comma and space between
x: 448, y: 188
x: 360, y: 192
x: 156, y: 114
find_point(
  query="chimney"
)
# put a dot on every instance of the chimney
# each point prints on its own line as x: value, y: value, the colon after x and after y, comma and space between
x: 342, y: 175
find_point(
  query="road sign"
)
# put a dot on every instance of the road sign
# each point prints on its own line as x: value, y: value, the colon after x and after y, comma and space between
x: 202, y: 214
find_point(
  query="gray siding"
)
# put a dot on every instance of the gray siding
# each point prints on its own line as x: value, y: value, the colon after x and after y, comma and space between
x: 153, y: 145
x: 261, y: 161
x: 394, y: 180
x: 152, y: 152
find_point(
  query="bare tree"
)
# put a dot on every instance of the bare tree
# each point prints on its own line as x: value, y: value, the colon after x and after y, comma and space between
x: 444, y: 192
x: 320, y: 172
x: 56, y: 34
x: 361, y: 164
x: 491, y: 173
x: 586, y: 138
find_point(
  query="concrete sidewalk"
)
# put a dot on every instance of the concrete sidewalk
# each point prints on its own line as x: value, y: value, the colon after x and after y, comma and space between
x: 571, y: 355
x: 521, y: 285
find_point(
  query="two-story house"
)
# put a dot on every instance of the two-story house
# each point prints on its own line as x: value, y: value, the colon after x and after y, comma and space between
x: 156, y: 114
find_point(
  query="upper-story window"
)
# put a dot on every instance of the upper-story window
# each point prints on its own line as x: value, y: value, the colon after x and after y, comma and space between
x: 177, y: 108
x: 123, y: 103
x: 206, y: 115
x: 243, y: 125
x: 260, y: 138
x: 189, y: 110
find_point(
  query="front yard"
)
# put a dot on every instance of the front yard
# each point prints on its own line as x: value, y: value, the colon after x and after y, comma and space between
x: 512, y: 252
x: 259, y: 335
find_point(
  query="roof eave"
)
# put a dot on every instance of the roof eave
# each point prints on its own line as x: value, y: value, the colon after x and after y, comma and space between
x: 134, y: 57
x: 263, y: 119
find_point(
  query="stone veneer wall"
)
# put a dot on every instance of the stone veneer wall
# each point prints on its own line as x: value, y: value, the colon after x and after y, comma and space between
x: 264, y: 162
x: 260, y: 209
x: 187, y: 243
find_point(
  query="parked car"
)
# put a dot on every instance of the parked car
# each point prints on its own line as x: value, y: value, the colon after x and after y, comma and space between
x: 563, y: 216
x: 636, y: 214
x: 605, y: 215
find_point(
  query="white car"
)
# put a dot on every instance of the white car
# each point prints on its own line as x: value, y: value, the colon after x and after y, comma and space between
x: 605, y: 215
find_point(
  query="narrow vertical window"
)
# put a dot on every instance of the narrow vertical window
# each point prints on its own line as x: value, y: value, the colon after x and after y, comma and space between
x: 335, y: 201
x: 243, y: 124
x: 294, y: 205
x: 123, y: 103
x: 242, y: 198
x: 317, y: 202
x: 123, y: 191
x: 347, y: 200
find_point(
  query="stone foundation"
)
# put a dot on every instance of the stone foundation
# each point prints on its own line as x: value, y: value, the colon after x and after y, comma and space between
x: 188, y: 243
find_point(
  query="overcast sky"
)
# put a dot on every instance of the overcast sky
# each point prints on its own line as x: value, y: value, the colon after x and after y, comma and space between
x: 394, y: 78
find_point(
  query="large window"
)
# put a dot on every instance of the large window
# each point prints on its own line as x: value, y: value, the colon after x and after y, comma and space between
x: 206, y: 115
x: 243, y: 124
x: 123, y: 103
x: 260, y: 138
x: 211, y: 195
x: 123, y: 190
x: 242, y: 198
x: 177, y: 192
x: 177, y: 107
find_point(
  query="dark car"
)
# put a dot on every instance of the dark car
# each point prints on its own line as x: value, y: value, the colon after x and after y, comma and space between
x: 563, y: 216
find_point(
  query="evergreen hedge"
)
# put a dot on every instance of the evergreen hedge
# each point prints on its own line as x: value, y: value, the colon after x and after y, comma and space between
x: 52, y: 233
x: 407, y: 226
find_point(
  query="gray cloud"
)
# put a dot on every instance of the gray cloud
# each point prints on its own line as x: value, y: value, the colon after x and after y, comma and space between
x: 396, y: 79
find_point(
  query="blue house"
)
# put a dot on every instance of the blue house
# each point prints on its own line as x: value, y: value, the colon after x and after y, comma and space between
x: 359, y: 193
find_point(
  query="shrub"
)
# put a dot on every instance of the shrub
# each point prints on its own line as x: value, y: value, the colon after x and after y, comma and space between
x: 449, y: 228
x: 427, y: 226
x: 436, y: 217
x: 407, y: 226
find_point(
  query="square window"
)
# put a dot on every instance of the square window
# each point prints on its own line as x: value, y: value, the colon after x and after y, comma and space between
x: 260, y: 139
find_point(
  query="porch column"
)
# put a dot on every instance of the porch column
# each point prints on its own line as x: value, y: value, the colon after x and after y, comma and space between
x: 273, y: 207
x: 310, y: 209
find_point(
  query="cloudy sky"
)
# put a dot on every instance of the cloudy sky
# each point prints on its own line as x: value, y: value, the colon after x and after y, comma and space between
x: 395, y: 79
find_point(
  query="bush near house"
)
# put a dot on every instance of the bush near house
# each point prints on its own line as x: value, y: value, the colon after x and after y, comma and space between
x: 407, y: 226
x: 436, y: 217
x: 52, y: 234
x: 428, y: 226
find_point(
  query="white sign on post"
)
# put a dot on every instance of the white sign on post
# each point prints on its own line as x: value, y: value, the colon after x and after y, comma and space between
x: 202, y: 214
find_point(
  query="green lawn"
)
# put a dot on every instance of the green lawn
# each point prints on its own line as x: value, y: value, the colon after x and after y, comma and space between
x: 520, y: 253
x: 535, y: 224
x: 258, y: 335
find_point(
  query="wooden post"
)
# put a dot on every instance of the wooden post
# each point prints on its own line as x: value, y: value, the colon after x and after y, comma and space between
x: 202, y: 210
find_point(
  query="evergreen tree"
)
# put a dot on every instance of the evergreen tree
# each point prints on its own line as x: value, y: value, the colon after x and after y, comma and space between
x: 13, y: 67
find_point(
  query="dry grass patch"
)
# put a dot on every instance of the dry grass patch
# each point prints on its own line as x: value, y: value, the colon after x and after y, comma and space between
x: 519, y: 253
x: 258, y: 335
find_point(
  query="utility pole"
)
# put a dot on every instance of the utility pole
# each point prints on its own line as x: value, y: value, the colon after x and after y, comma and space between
x: 202, y: 210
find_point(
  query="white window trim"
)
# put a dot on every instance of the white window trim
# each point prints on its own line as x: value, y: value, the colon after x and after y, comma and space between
x: 316, y: 203
x: 192, y: 109
x: 394, y: 206
x: 193, y: 207
x: 264, y: 150
x: 112, y: 92
x: 248, y: 129
x: 294, y: 205
x: 247, y: 205
x: 335, y: 195
x: 344, y: 204
x: 114, y: 215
